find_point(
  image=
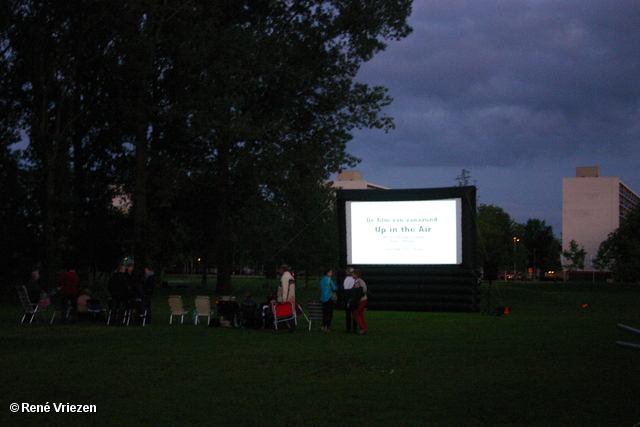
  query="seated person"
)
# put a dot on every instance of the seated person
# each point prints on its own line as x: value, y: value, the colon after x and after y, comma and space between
x: 83, y: 304
x: 227, y: 310
x: 33, y: 288
x: 266, y: 313
x: 249, y: 312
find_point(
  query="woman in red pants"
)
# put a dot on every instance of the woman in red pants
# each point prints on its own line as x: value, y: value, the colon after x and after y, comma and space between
x: 358, y: 314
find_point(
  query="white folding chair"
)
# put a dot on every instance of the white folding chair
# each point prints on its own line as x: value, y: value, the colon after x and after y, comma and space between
x: 176, y: 307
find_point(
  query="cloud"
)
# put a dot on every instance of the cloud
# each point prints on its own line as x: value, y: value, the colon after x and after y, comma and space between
x: 504, y: 82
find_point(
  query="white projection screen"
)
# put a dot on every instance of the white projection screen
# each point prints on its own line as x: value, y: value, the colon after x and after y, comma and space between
x: 410, y: 232
x: 415, y: 248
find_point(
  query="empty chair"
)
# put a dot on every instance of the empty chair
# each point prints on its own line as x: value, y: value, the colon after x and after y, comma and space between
x: 30, y: 308
x: 315, y: 311
x: 203, y: 308
x: 176, y: 307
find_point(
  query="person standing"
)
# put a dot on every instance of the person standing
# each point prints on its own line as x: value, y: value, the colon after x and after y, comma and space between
x: 69, y: 290
x: 359, y: 313
x: 287, y: 292
x: 347, y: 285
x: 34, y: 290
x: 120, y: 289
x: 327, y: 289
x: 287, y: 288
x: 135, y: 286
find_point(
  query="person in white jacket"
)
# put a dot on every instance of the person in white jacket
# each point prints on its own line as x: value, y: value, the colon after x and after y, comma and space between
x: 287, y: 288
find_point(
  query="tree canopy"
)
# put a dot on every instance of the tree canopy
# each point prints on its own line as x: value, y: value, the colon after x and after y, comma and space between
x: 496, y: 231
x: 620, y: 253
x: 516, y: 246
x: 575, y: 255
x: 224, y: 106
x: 543, y: 248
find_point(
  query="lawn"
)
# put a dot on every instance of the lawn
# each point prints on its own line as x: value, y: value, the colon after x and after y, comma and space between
x: 551, y: 362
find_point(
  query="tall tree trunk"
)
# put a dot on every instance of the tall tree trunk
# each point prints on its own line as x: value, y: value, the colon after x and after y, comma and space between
x: 140, y: 211
x: 50, y: 261
x: 224, y: 246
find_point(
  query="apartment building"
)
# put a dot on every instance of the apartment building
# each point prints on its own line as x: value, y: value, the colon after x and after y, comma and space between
x: 592, y: 207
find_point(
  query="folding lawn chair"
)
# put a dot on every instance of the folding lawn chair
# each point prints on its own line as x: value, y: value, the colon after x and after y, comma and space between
x: 29, y: 308
x: 60, y: 306
x: 96, y: 310
x: 284, y: 312
x: 137, y: 310
x: 315, y: 311
x: 176, y: 307
x: 203, y: 308
x: 628, y: 344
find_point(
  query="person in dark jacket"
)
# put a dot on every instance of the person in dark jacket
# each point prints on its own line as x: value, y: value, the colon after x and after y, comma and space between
x: 33, y: 288
x: 119, y: 287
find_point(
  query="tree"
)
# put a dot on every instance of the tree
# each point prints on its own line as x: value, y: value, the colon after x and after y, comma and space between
x: 274, y: 100
x: 575, y: 255
x: 620, y: 252
x: 510, y: 244
x: 464, y: 178
x: 54, y: 54
x: 605, y: 258
x: 259, y: 97
x: 19, y: 249
x: 495, y: 235
x: 543, y: 249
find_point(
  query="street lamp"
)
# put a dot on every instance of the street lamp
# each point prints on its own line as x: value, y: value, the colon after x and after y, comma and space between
x: 515, y: 239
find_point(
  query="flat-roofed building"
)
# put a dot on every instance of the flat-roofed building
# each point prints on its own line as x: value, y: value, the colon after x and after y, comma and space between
x: 592, y: 207
x: 352, y: 180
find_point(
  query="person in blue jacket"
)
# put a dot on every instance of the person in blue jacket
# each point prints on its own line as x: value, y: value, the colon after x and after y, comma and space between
x: 327, y: 289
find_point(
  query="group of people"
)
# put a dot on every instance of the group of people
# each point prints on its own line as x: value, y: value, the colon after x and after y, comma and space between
x: 355, y: 301
x: 355, y: 298
x: 128, y: 293
x: 75, y: 302
x: 65, y: 295
x: 252, y: 315
x: 125, y: 291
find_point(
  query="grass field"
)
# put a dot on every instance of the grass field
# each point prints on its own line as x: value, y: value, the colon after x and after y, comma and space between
x: 551, y: 362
